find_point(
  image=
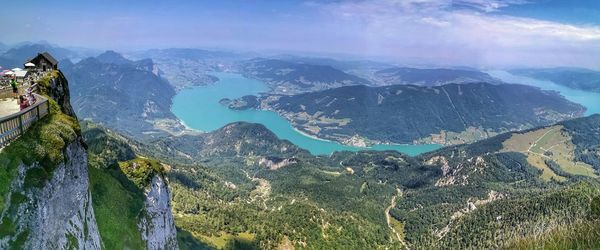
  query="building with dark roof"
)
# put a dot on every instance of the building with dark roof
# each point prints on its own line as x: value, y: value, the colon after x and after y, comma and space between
x: 44, y: 62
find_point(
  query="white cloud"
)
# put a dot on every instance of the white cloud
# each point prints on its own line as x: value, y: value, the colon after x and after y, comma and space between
x: 488, y: 5
x: 439, y: 30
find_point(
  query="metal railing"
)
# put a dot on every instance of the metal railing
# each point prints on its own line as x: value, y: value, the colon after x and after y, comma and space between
x: 15, y: 125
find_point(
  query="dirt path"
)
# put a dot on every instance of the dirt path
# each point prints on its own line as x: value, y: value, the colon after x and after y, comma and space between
x: 538, y: 140
x: 263, y: 189
x: 388, y: 217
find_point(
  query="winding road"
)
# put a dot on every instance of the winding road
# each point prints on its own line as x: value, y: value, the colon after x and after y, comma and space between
x: 388, y: 217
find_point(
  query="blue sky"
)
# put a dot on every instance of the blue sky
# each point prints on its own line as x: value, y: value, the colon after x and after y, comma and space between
x: 481, y: 33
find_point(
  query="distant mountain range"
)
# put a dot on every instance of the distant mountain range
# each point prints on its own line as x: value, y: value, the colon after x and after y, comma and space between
x: 448, y: 114
x: 125, y: 95
x: 344, y: 65
x: 576, y: 78
x: 242, y: 187
x: 293, y: 75
x: 112, y: 57
x: 431, y: 77
x: 16, y: 55
x: 184, y: 68
x: 289, y: 77
x: 189, y: 54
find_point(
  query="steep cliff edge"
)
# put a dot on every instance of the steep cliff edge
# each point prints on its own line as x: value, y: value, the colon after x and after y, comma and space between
x: 45, y: 199
x: 60, y: 214
x: 157, y: 226
x: 131, y: 195
x: 55, y: 192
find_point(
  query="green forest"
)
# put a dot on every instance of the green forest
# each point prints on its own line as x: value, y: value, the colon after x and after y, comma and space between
x: 484, y: 198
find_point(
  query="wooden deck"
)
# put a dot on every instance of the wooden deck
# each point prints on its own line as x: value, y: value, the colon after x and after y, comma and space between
x: 14, y: 125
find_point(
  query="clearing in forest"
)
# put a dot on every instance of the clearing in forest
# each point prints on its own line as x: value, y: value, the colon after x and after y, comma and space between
x: 550, y: 143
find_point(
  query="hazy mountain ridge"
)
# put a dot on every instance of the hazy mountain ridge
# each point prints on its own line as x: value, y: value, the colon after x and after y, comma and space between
x: 184, y: 68
x: 286, y: 77
x: 431, y: 77
x: 345, y: 65
x: 14, y: 56
x: 576, y: 78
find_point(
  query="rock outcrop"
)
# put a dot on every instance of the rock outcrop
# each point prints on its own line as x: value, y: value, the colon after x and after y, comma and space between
x: 274, y: 163
x: 46, y: 200
x: 58, y: 90
x: 59, y: 215
x: 49, y: 206
x: 157, y: 226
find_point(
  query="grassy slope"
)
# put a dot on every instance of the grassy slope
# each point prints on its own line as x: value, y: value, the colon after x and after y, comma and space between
x: 42, y: 143
x: 579, y: 235
x: 117, y: 208
x: 140, y: 171
x: 117, y: 198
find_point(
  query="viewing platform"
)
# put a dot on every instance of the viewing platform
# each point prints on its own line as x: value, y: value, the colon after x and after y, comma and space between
x: 14, y: 119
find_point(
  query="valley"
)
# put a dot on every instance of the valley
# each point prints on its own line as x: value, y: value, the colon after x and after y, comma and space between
x: 259, y: 177
x: 300, y: 125
x: 488, y: 180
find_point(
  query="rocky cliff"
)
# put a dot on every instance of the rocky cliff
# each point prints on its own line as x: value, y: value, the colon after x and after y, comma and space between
x: 157, y: 226
x: 60, y: 214
x: 45, y: 195
x: 47, y: 203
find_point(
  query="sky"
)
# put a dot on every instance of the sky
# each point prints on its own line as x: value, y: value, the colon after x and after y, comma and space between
x: 477, y: 33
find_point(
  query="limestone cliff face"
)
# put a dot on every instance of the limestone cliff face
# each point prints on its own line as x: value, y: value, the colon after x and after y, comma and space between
x: 157, y: 225
x: 50, y: 207
x: 59, y: 215
x: 58, y: 89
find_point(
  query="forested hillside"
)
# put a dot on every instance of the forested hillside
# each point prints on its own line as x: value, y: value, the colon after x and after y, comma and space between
x: 449, y: 114
x: 122, y: 94
x: 431, y: 77
x: 482, y: 195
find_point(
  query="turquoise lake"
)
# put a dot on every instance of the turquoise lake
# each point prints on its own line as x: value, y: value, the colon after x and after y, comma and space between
x: 199, y: 109
x: 590, y: 100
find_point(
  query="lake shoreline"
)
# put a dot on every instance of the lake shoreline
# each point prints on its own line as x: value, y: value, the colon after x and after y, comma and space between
x: 588, y: 99
x: 198, y: 109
